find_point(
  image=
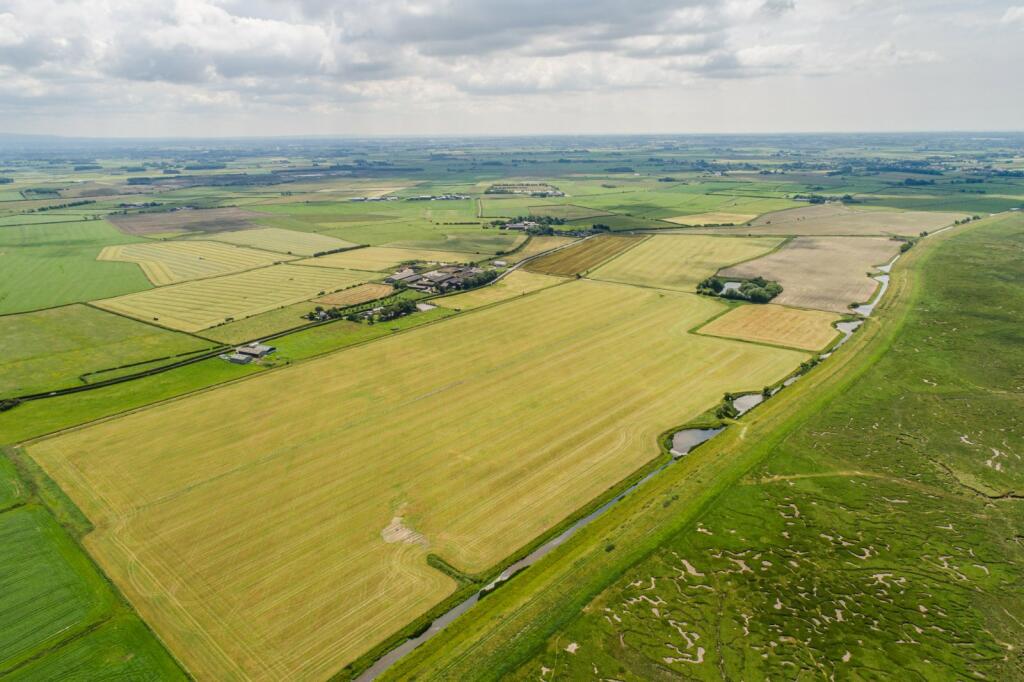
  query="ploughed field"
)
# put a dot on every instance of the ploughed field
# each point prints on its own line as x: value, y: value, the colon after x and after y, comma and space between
x: 188, y: 220
x: 288, y: 550
x: 825, y: 273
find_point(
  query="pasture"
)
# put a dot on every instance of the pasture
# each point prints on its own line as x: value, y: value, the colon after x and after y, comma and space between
x: 51, y: 589
x: 307, y: 538
x: 283, y: 241
x: 383, y: 258
x: 824, y: 273
x: 179, y: 261
x: 516, y: 283
x: 49, y: 264
x: 809, y: 330
x: 207, y: 220
x: 680, y: 262
x: 50, y: 349
x: 581, y: 257
x: 836, y: 219
x: 196, y: 305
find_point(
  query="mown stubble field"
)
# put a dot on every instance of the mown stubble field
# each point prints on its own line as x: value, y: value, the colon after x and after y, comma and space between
x: 289, y: 550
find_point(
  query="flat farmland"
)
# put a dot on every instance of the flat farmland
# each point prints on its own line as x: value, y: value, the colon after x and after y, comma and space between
x: 712, y: 218
x: 537, y: 245
x: 839, y: 220
x: 809, y: 330
x: 516, y: 283
x: 824, y: 273
x: 581, y: 257
x: 356, y: 295
x: 179, y: 261
x: 197, y: 220
x: 284, y: 241
x: 567, y: 211
x: 192, y: 306
x: 681, y: 262
x: 383, y: 258
x: 287, y: 551
x: 50, y: 349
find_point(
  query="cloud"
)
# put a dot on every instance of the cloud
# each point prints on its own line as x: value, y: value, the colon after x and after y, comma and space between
x: 1013, y: 15
x: 296, y: 56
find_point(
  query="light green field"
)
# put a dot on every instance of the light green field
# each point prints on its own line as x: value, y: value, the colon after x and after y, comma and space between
x: 383, y: 259
x: 282, y: 241
x: 680, y: 262
x: 330, y: 524
x: 179, y: 261
x: 192, y: 306
x: 516, y: 283
x: 264, y: 324
x: 50, y: 349
x: 44, y: 265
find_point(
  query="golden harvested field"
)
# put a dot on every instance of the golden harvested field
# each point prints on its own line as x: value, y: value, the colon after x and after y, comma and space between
x: 170, y: 262
x: 283, y: 241
x: 713, y: 218
x: 285, y: 552
x: 356, y: 295
x: 384, y: 258
x: 826, y: 273
x: 583, y: 256
x: 681, y: 262
x: 838, y: 220
x: 775, y: 324
x: 192, y: 306
x: 208, y: 220
x: 516, y: 283
x: 536, y: 245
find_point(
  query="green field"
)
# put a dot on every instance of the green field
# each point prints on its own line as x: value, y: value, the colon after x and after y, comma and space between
x: 872, y: 529
x: 59, y: 617
x: 51, y: 349
x: 45, y: 265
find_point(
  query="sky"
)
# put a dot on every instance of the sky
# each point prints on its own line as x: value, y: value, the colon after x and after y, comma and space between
x: 111, y: 68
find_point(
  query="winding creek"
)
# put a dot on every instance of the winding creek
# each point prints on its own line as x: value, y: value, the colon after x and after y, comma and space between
x: 683, y: 442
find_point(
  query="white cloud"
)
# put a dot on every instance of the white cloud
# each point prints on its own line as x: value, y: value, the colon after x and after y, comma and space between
x: 1013, y: 15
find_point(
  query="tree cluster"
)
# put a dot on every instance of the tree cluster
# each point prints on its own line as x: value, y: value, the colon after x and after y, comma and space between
x: 756, y: 290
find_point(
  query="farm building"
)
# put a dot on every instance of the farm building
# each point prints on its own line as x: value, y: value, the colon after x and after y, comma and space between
x: 255, y: 350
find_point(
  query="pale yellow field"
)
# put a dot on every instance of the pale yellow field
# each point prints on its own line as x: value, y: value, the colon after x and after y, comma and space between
x: 536, y: 245
x: 713, y: 218
x: 516, y: 283
x: 278, y: 527
x: 356, y: 295
x: 793, y: 327
x: 283, y: 241
x: 384, y: 258
x: 826, y: 273
x: 839, y: 220
x: 179, y: 261
x: 680, y: 262
x: 192, y: 306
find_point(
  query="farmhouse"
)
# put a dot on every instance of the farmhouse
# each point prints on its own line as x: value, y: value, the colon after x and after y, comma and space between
x: 237, y: 358
x: 406, y: 276
x: 524, y: 225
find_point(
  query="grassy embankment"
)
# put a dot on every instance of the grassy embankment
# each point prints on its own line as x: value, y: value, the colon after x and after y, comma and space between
x: 889, y: 445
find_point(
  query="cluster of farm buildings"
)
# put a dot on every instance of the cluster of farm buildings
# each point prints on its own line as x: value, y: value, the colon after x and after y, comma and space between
x: 446, y: 278
x: 243, y: 355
